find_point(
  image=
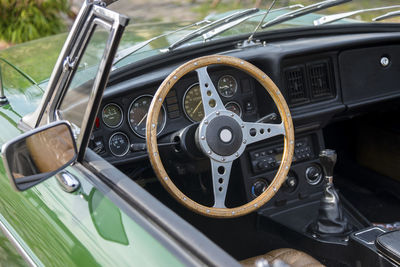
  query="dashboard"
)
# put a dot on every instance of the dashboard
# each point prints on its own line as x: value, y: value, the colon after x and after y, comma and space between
x: 119, y: 134
x: 322, y: 78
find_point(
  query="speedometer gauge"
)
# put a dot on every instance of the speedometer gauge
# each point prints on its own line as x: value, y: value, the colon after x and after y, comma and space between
x: 193, y: 104
x: 138, y: 112
x: 227, y: 86
x: 112, y: 115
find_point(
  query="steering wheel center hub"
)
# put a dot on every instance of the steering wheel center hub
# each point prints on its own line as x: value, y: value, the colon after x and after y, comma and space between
x: 221, y: 136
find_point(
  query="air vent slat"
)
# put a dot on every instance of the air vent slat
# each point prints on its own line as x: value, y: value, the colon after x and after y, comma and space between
x: 320, y: 86
x: 295, y: 85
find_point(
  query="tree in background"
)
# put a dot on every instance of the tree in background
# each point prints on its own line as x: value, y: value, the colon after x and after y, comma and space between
x: 24, y: 20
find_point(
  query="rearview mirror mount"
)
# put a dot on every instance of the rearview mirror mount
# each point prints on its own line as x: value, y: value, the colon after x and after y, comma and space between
x: 35, y: 156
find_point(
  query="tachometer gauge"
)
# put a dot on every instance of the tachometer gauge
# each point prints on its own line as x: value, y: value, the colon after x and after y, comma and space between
x: 119, y: 144
x: 234, y: 107
x: 112, y: 115
x: 137, y: 115
x: 193, y: 104
x: 227, y: 86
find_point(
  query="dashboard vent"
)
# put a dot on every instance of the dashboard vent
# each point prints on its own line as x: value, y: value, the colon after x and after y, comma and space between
x: 320, y: 85
x: 295, y: 85
x: 309, y: 82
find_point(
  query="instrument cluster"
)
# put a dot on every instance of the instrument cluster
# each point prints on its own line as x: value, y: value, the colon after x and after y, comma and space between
x: 122, y: 122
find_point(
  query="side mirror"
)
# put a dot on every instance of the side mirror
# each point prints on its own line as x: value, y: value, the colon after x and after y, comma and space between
x: 39, y: 154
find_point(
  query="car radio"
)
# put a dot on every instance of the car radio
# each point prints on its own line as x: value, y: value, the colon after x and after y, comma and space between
x: 268, y: 158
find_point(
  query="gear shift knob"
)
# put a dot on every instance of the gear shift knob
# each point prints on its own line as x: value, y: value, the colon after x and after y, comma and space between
x: 328, y: 159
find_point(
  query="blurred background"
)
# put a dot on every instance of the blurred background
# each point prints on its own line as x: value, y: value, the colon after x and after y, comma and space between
x: 24, y: 20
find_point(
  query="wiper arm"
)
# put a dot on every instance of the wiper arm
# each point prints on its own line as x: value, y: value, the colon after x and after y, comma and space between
x: 336, y: 17
x: 303, y: 11
x: 130, y: 50
x: 388, y: 15
x: 213, y: 25
x: 209, y: 35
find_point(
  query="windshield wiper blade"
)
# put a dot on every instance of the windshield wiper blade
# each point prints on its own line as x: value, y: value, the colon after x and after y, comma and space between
x: 303, y: 11
x: 212, y: 25
x: 388, y: 15
x: 209, y: 35
x: 130, y: 50
x: 336, y: 17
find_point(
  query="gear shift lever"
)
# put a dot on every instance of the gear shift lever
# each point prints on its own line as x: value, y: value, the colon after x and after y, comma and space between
x: 330, y: 220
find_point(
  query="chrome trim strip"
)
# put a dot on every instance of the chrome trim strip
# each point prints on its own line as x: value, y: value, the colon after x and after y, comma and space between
x: 18, y: 243
x: 365, y: 231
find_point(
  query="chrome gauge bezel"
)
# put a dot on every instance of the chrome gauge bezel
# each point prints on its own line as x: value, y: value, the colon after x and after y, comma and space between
x: 127, y: 149
x: 236, y: 103
x: 236, y: 87
x: 122, y: 115
x: 129, y: 110
x: 183, y: 103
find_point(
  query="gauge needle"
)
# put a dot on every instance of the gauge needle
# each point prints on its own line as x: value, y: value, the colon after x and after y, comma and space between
x: 198, y: 105
x: 144, y: 117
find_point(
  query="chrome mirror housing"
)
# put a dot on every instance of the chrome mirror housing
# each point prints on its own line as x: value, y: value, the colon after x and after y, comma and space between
x: 39, y: 154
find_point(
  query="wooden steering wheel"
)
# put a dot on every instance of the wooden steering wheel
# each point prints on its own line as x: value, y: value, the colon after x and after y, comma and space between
x: 222, y: 135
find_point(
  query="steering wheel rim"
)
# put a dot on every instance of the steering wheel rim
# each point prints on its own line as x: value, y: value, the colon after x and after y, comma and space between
x: 200, y: 66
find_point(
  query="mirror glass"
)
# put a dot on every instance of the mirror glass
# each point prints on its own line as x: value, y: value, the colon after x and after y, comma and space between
x: 39, y: 154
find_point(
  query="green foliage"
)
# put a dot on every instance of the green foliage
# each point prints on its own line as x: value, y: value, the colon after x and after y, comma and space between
x: 24, y: 20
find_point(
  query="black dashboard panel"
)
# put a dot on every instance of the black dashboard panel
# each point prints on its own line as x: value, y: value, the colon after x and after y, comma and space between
x: 336, y: 74
x: 369, y: 73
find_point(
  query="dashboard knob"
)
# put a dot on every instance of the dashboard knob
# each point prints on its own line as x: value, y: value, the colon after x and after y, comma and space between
x: 263, y: 165
x: 259, y: 187
x: 291, y: 182
x: 313, y: 174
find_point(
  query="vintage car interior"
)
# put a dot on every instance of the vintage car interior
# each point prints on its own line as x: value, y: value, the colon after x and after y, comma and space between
x: 289, y: 140
x: 341, y: 86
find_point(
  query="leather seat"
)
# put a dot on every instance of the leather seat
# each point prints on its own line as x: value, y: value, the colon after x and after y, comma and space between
x: 282, y: 257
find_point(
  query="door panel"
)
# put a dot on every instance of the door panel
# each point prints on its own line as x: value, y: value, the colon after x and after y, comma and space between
x: 58, y: 227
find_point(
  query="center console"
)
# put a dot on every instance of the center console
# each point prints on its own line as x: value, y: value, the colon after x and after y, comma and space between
x: 313, y: 216
x: 304, y: 180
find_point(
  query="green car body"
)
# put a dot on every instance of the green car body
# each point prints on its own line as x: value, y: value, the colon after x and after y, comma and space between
x: 86, y: 228
x: 56, y: 228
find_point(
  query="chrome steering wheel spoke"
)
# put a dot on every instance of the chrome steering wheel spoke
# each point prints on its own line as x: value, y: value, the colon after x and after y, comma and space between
x: 209, y: 95
x: 221, y: 172
x: 255, y: 132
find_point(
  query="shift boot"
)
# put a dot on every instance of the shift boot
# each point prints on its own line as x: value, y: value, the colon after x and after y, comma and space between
x: 330, y: 220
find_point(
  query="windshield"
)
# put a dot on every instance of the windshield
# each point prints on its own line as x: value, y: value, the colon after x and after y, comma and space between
x: 143, y: 41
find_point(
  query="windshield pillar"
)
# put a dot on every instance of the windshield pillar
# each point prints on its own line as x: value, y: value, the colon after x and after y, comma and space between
x: 3, y: 98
